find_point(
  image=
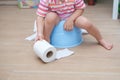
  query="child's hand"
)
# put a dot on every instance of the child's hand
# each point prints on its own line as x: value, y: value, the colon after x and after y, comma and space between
x: 68, y: 25
x: 39, y: 37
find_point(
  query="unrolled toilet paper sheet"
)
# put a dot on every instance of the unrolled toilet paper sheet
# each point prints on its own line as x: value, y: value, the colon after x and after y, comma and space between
x: 63, y: 53
x: 32, y: 37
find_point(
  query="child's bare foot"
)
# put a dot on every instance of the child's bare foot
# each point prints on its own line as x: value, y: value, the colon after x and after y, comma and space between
x: 105, y: 44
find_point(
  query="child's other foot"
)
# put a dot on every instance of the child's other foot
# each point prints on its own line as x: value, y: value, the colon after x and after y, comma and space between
x: 105, y: 44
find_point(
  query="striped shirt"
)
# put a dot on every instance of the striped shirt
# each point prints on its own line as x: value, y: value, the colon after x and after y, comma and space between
x: 64, y: 8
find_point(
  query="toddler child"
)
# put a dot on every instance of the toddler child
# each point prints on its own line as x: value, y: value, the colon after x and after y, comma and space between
x: 50, y: 12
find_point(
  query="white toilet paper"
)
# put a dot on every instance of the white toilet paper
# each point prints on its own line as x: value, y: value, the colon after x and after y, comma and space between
x: 45, y: 51
x: 63, y: 53
x: 32, y: 37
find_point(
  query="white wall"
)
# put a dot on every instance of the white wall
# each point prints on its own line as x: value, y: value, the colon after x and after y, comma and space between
x: 115, y: 9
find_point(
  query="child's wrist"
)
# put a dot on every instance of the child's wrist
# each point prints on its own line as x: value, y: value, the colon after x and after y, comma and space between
x: 71, y: 19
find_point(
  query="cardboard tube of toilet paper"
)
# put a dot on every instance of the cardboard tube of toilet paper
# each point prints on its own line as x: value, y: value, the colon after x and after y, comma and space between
x: 45, y: 51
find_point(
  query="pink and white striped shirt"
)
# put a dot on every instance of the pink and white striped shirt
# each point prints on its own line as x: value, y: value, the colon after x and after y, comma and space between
x: 63, y: 9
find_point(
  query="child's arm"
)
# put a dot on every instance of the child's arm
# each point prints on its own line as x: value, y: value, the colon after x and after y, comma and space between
x: 70, y: 21
x: 76, y: 14
x: 40, y: 28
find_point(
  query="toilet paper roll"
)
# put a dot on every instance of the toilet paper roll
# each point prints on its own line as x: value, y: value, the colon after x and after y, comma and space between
x: 45, y: 51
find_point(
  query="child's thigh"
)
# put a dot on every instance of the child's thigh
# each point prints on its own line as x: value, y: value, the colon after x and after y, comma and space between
x: 52, y: 17
x: 82, y: 22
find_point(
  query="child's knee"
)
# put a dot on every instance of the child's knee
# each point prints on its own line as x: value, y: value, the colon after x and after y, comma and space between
x: 88, y: 24
x: 84, y: 22
x: 51, y: 17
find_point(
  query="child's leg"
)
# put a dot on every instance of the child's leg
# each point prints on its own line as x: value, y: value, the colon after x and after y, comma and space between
x: 51, y: 20
x: 84, y: 23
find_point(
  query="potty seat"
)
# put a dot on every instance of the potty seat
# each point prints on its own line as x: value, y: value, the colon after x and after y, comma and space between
x: 61, y: 38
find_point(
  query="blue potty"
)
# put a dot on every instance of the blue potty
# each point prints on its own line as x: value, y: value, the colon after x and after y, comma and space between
x: 61, y: 38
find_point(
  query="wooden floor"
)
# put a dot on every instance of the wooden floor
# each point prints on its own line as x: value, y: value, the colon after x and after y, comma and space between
x: 90, y: 61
